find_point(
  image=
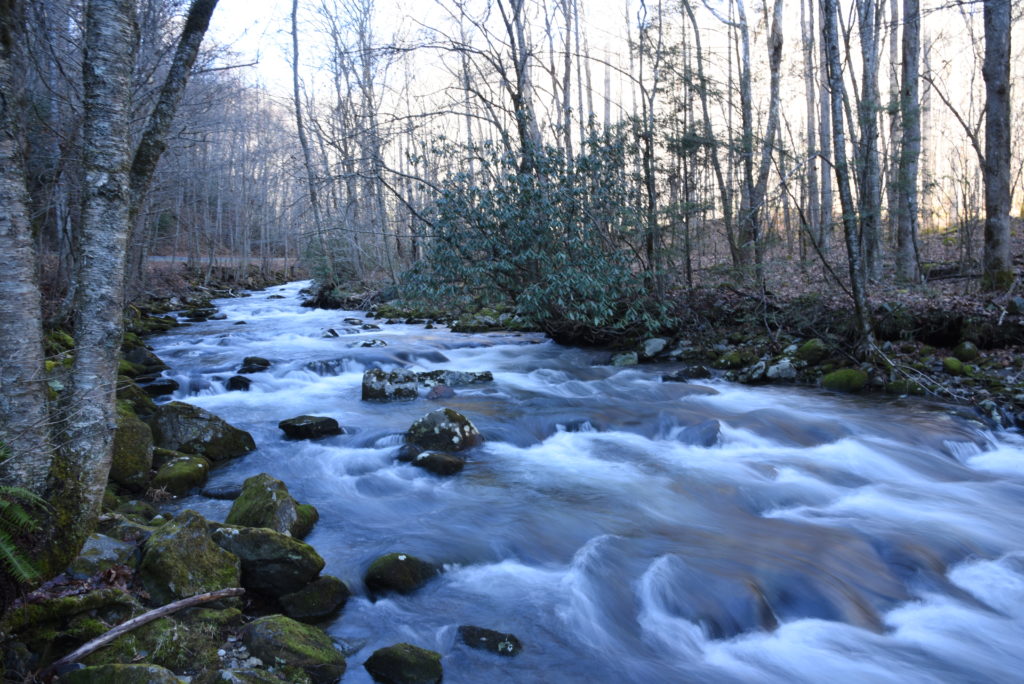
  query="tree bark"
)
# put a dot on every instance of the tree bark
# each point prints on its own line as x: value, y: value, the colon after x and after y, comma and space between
x: 867, y: 156
x: 23, y: 425
x: 998, y: 268
x: 907, y: 267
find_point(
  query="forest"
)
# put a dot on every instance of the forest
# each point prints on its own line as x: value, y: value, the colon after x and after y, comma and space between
x: 742, y: 182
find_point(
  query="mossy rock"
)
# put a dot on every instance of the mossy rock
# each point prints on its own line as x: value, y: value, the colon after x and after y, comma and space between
x: 124, y: 528
x: 732, y: 360
x: 162, y: 456
x: 178, y: 646
x: 279, y: 639
x: 905, y: 387
x: 404, y: 664
x: 133, y: 450
x: 318, y: 600
x: 142, y: 510
x: 129, y: 369
x: 966, y: 351
x: 100, y: 553
x: 139, y: 673
x: 137, y: 398
x: 848, y: 380
x: 813, y: 351
x: 110, y: 499
x: 54, y: 626
x: 221, y: 618
x: 190, y: 429
x: 397, y: 385
x: 266, y: 502
x: 398, y: 572
x: 310, y: 427
x: 439, y: 463
x: 953, y: 365
x: 181, y: 475
x: 444, y: 430
x: 484, y: 639
x: 272, y: 563
x: 180, y: 560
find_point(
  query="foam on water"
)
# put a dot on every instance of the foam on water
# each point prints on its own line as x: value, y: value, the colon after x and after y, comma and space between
x: 816, y: 538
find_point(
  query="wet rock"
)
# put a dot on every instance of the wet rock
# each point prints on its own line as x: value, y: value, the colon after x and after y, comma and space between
x: 781, y: 370
x: 199, y: 314
x: 266, y: 502
x: 398, y: 385
x: 136, y: 397
x: 179, y: 560
x: 225, y: 492
x: 404, y: 664
x: 398, y: 572
x: 407, y: 452
x: 687, y: 373
x: 330, y: 332
x: 100, y: 553
x: 141, y: 510
x: 133, y: 450
x: 370, y: 326
x: 444, y: 430
x: 272, y: 563
x: 370, y: 344
x: 310, y: 427
x: 653, y: 347
x: 953, y: 365
x: 276, y: 296
x: 353, y: 321
x: 1015, y: 305
x: 490, y: 640
x: 181, y: 475
x: 439, y: 463
x: 966, y: 351
x: 147, y: 360
x: 812, y: 351
x: 318, y: 600
x: 280, y: 639
x: 453, y: 378
x: 625, y: 359
x: 161, y: 387
x: 438, y: 392
x: 190, y: 429
x: 141, y: 673
x: 254, y: 364
x: 848, y: 380
x: 704, y: 434
x: 238, y: 383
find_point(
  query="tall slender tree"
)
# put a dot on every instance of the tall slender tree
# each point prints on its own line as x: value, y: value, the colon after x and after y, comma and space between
x: 998, y: 267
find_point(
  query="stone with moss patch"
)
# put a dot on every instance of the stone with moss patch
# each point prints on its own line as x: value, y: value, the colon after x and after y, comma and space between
x: 180, y: 560
x: 266, y: 502
x: 168, y: 642
x: 133, y: 450
x: 272, y: 563
x: 318, y: 600
x: 444, y: 430
x: 404, y: 664
x: 129, y: 391
x: 966, y: 351
x: 280, y: 640
x: 140, y: 673
x: 396, y: 385
x: 100, y: 553
x: 398, y: 572
x: 181, y: 475
x: 953, y: 365
x: 190, y: 429
x: 848, y: 380
x: 55, y: 626
x: 812, y: 351
x: 490, y: 640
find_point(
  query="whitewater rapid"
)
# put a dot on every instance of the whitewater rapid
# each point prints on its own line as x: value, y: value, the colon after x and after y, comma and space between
x: 819, y: 538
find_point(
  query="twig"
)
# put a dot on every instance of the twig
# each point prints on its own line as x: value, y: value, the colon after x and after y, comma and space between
x: 127, y: 626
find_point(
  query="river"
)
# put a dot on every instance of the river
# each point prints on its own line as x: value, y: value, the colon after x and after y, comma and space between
x: 820, y: 538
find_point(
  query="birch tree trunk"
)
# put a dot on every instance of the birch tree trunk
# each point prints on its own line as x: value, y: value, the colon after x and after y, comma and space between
x: 998, y: 268
x: 867, y: 157
x: 907, y: 267
x: 23, y: 420
x: 813, y: 199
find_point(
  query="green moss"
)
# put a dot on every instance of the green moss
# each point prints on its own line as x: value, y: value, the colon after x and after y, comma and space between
x: 812, y: 351
x: 135, y: 396
x: 307, y: 516
x: 182, y: 474
x: 110, y: 499
x: 732, y: 360
x: 966, y: 351
x: 138, y: 673
x: 128, y: 368
x: 277, y: 639
x: 404, y: 663
x: 133, y: 450
x: 848, y: 380
x: 953, y: 365
x: 166, y: 642
x: 904, y: 387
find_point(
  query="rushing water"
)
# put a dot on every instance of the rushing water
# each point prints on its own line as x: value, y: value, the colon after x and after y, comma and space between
x: 819, y: 539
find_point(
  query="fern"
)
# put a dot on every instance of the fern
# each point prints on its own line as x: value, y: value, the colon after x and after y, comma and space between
x: 16, y: 520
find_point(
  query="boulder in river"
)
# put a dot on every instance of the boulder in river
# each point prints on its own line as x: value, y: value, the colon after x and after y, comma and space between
x: 397, y: 385
x: 238, y: 383
x: 439, y: 462
x: 625, y: 359
x: 140, y: 402
x: 404, y: 664
x: 190, y: 429
x: 161, y: 387
x: 398, y: 572
x: 703, y: 434
x: 266, y: 502
x: 444, y: 430
x: 276, y: 639
x: 133, y: 450
x: 490, y: 640
x: 182, y: 474
x: 180, y: 560
x: 310, y: 427
x: 438, y: 392
x: 453, y: 378
x: 687, y: 373
x: 272, y: 563
x: 318, y: 600
x: 254, y: 364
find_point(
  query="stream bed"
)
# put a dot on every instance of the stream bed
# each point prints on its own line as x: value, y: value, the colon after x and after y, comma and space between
x: 628, y: 529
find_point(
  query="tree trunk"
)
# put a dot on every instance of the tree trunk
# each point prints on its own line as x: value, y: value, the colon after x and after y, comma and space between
x: 907, y: 267
x: 813, y: 198
x: 998, y: 268
x: 867, y: 157
x: 23, y: 425
x: 830, y: 41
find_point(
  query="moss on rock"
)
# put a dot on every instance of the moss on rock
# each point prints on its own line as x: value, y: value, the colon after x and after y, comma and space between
x: 404, y: 664
x: 266, y: 502
x: 139, y: 673
x: 280, y: 640
x: 399, y: 572
x: 190, y: 429
x: 137, y: 398
x: 848, y: 380
x: 318, y: 600
x: 133, y: 450
x: 953, y: 365
x: 182, y: 474
x: 271, y: 562
x: 444, y: 430
x: 812, y: 351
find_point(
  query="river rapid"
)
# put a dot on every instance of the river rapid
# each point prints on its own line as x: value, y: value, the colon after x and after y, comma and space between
x: 819, y: 538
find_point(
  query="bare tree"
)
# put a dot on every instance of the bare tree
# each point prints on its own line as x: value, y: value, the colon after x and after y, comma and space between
x: 907, y: 267
x: 998, y: 267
